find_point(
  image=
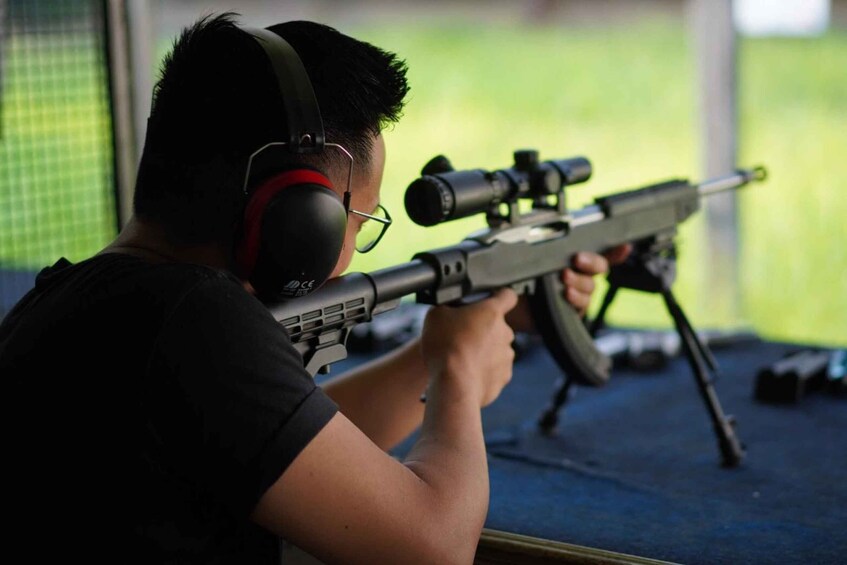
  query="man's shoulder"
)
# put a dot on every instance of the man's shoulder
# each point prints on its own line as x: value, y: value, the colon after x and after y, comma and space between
x: 114, y: 290
x: 120, y: 272
x: 121, y: 277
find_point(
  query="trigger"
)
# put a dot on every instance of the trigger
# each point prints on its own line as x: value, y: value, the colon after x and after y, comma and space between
x: 524, y: 287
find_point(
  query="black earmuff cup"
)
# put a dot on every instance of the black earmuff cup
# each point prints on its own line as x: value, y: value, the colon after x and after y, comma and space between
x: 302, y: 234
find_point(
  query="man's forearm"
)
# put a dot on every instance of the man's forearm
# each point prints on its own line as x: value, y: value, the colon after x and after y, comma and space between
x: 429, y: 509
x: 383, y: 397
x: 450, y: 458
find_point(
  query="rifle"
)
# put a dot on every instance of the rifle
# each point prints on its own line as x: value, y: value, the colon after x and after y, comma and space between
x: 527, y: 252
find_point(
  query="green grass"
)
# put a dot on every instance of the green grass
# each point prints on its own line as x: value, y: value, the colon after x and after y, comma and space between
x: 794, y: 236
x: 624, y: 96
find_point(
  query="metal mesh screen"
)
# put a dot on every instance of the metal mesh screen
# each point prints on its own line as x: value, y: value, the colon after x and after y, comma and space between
x: 56, y: 169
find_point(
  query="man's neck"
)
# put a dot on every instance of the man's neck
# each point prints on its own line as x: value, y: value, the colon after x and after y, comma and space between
x: 149, y: 241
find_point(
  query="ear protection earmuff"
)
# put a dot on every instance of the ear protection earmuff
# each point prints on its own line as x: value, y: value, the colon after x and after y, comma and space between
x: 294, y: 222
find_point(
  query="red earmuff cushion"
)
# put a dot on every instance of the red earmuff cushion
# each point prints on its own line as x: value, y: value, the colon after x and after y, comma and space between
x: 251, y: 236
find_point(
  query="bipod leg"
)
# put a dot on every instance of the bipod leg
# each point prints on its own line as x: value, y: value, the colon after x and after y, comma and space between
x: 550, y: 417
x: 599, y: 320
x: 699, y: 360
x: 704, y: 351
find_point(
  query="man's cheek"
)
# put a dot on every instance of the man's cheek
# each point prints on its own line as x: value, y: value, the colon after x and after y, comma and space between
x: 345, y: 258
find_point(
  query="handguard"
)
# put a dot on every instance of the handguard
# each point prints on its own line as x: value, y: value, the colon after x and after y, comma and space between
x: 565, y: 334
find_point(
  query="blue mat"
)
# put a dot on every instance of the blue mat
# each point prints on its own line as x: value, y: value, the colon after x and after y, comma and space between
x: 13, y: 285
x: 636, y: 469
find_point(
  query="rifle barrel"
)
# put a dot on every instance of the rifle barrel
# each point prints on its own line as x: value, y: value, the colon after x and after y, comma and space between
x: 740, y: 178
x: 401, y: 280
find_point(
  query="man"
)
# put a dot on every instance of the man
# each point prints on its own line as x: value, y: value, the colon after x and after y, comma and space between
x: 155, y: 411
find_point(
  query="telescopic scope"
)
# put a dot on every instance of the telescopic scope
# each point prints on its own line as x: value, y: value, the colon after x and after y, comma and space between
x: 442, y: 194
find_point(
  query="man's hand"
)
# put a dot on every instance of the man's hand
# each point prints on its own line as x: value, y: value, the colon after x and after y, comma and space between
x: 579, y: 283
x: 471, y: 346
x: 579, y: 279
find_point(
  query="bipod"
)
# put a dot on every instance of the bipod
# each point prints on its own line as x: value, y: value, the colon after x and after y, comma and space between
x: 651, y: 267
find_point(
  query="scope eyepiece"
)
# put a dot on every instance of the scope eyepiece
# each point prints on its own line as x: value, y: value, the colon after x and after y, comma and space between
x: 433, y: 199
x: 429, y: 201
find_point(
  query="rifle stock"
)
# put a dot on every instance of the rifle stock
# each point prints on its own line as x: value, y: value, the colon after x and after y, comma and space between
x: 526, y: 252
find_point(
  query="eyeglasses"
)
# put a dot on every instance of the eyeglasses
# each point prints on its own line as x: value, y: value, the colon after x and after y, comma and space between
x: 372, y: 229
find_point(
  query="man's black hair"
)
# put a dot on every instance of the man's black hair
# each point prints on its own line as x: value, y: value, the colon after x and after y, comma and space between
x: 217, y: 101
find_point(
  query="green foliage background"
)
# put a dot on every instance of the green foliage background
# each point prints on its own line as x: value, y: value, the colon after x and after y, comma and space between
x: 626, y: 98
x: 622, y: 95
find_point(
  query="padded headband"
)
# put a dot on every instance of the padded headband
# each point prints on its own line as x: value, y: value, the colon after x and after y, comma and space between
x: 305, y: 126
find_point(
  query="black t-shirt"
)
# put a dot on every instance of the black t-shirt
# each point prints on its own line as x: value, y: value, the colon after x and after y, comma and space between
x: 146, y: 408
